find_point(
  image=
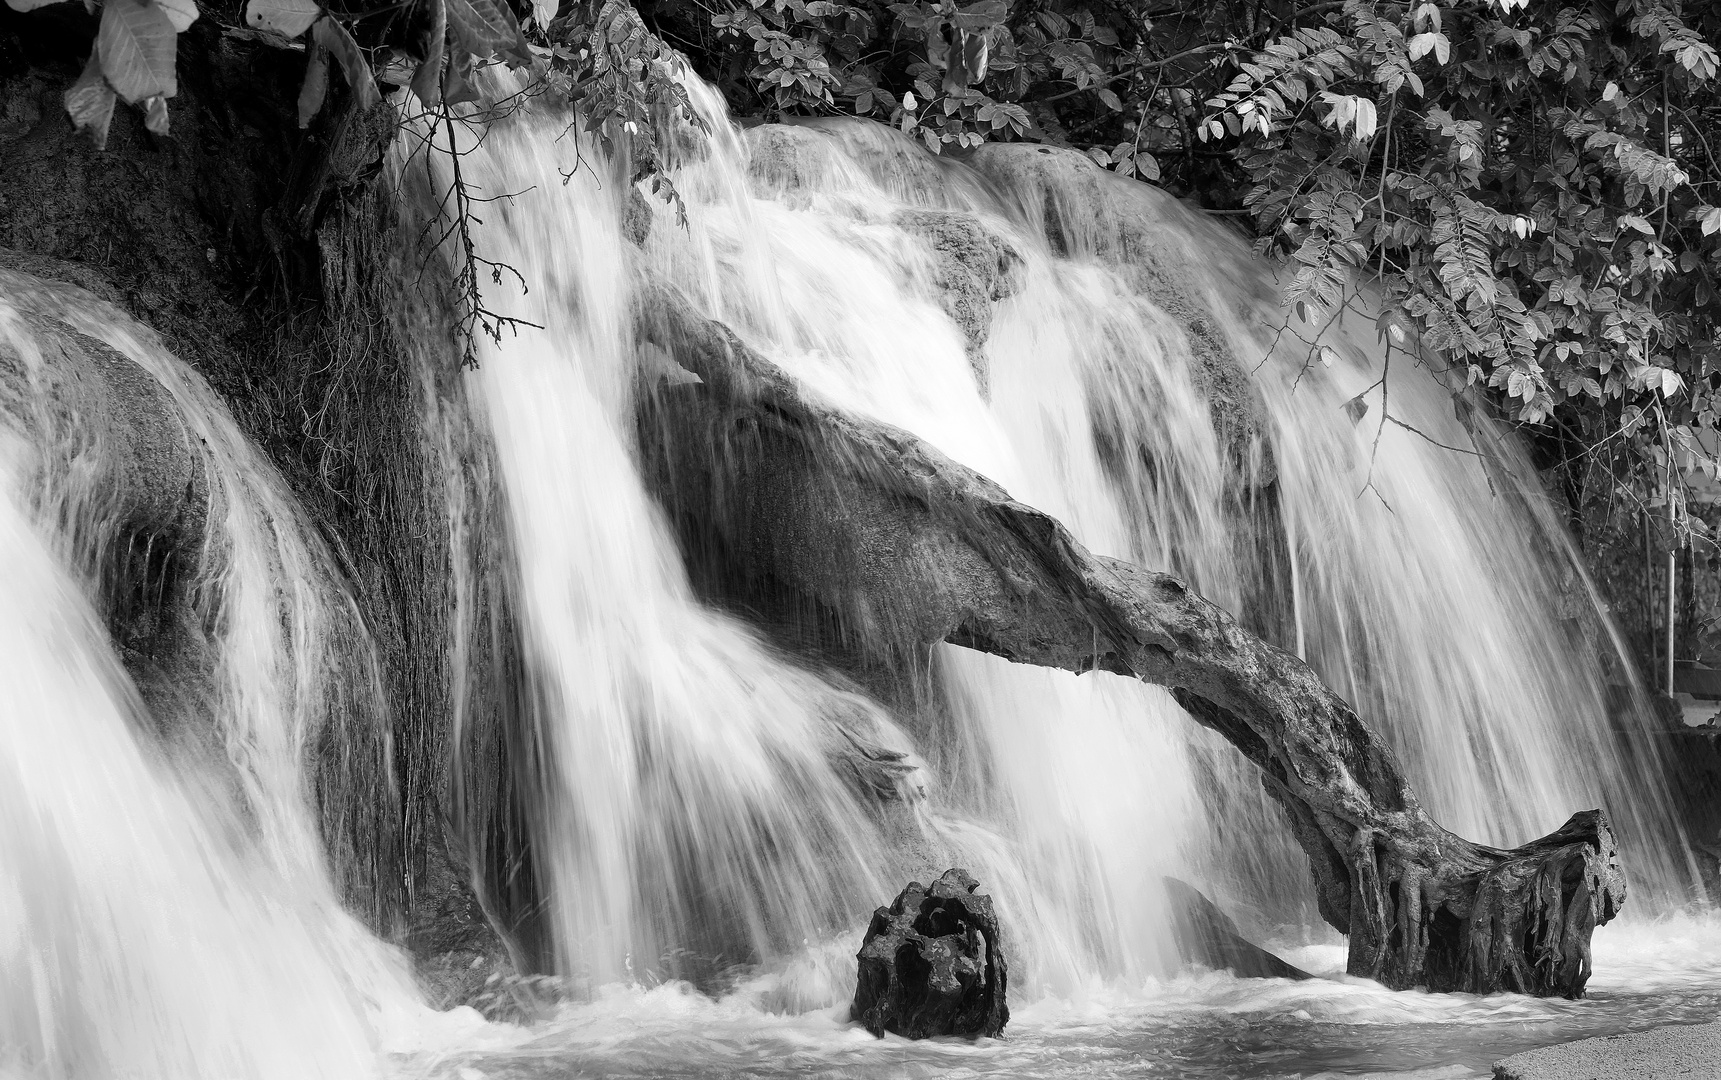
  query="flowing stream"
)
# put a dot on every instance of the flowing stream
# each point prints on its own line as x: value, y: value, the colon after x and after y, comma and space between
x: 706, y: 858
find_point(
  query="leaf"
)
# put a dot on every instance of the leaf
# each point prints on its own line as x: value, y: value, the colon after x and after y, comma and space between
x: 1433, y: 41
x: 1365, y: 119
x: 29, y: 5
x: 316, y: 85
x: 976, y: 55
x: 181, y: 13
x: 544, y: 12
x: 485, y: 28
x: 332, y: 36
x: 1111, y: 100
x: 155, y: 115
x: 427, y: 82
x: 1356, y: 408
x: 137, y: 44
x: 1147, y: 167
x: 1711, y: 221
x: 289, y: 18
x: 457, y: 80
x: 982, y: 16
x: 90, y: 102
x: 1671, y: 383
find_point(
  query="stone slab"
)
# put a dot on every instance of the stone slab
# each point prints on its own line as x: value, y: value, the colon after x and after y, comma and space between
x: 1693, y: 1050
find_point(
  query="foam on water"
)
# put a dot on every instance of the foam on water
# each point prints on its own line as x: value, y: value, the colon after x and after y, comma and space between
x: 689, y: 809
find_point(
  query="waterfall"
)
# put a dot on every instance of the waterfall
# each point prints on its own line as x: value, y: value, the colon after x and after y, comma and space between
x: 167, y: 906
x: 1143, y: 386
x: 197, y: 773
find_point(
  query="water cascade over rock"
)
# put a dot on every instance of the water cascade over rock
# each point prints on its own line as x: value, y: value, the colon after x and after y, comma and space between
x: 895, y: 512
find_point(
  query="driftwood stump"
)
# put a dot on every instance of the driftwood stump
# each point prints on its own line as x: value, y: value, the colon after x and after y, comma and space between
x: 895, y: 541
x: 930, y: 964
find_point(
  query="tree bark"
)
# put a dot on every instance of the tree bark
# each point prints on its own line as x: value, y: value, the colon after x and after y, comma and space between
x: 901, y: 543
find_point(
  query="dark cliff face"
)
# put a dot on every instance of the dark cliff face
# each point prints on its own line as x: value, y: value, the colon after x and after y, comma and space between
x: 264, y: 258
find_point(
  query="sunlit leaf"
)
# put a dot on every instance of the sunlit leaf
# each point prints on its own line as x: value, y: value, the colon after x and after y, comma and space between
x: 316, y: 85
x: 289, y: 18
x: 155, y: 115
x: 90, y: 102
x: 138, y: 45
x: 181, y: 13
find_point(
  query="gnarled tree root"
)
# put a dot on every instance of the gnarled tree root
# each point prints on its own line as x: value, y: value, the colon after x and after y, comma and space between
x: 897, y: 542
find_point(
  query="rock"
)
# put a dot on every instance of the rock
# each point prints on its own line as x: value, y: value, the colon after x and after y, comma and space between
x: 636, y: 217
x: 931, y: 965
x: 972, y: 267
x: 1659, y: 1052
x: 1207, y: 936
x: 786, y: 158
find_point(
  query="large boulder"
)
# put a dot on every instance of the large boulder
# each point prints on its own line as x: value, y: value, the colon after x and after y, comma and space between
x: 930, y: 964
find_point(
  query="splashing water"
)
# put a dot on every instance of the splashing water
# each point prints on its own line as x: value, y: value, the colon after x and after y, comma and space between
x: 166, y: 907
x: 1088, y: 395
x: 702, y: 806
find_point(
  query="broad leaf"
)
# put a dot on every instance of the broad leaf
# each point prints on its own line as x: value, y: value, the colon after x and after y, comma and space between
x: 90, y: 102
x: 457, y: 80
x: 289, y: 18
x: 29, y: 5
x: 181, y: 13
x: 427, y: 83
x: 544, y: 12
x: 155, y: 115
x: 137, y: 44
x: 332, y: 36
x: 316, y: 85
x: 485, y: 28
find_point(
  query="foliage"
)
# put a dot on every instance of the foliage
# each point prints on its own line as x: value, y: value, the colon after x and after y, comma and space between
x: 1533, y: 190
x: 1530, y: 187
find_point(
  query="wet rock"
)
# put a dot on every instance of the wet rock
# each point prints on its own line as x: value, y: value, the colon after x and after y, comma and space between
x: 636, y: 217
x: 786, y: 158
x: 973, y: 266
x: 1207, y: 936
x: 931, y: 965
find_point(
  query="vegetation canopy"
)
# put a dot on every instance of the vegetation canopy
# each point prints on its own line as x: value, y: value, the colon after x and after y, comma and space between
x: 1530, y: 186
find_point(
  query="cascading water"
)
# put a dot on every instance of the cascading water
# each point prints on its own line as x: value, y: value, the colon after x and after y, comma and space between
x: 705, y: 805
x: 1085, y: 391
x: 166, y: 906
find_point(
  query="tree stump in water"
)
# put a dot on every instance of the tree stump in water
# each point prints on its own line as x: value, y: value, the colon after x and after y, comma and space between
x: 930, y: 964
x: 883, y: 532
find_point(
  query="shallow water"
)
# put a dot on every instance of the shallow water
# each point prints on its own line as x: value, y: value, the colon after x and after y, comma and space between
x: 1195, y: 1026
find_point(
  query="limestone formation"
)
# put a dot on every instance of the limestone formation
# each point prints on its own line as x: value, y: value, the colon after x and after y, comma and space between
x: 931, y: 964
x: 888, y: 539
x: 973, y: 267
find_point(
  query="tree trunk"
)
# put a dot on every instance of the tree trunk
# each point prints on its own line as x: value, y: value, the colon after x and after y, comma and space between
x: 898, y: 543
